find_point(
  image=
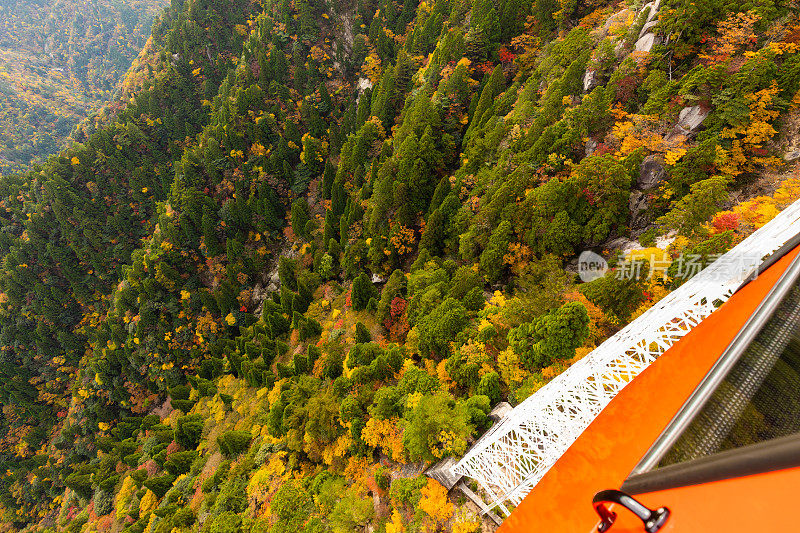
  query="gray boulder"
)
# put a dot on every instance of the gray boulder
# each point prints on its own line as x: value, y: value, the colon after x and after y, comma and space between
x: 651, y: 172
x: 589, y: 81
x: 690, y: 118
x: 792, y: 156
x: 646, y: 43
x: 589, y: 147
x: 646, y: 28
x: 637, y: 205
x: 653, y: 9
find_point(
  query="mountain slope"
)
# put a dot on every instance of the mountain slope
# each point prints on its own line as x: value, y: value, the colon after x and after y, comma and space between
x: 320, y: 240
x: 58, y: 63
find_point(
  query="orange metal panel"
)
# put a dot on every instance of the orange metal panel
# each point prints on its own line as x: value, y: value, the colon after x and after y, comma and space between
x: 614, y: 442
x: 762, y: 502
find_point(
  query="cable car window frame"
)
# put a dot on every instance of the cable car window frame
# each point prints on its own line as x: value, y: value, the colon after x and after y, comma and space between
x: 774, y: 454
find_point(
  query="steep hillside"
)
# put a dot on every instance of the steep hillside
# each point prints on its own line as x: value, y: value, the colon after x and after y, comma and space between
x: 59, y: 61
x: 319, y: 241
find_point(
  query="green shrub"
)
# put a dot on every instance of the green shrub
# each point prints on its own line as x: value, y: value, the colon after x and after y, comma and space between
x: 362, y: 334
x: 189, y: 431
x: 160, y: 484
x: 183, y: 405
x: 180, y: 462
x: 139, y: 476
x: 362, y: 291
x: 227, y: 522
x: 108, y: 483
x: 489, y: 386
x: 183, y: 517
x: 309, y: 328
x: 103, y: 502
x: 433, y: 415
x: 292, y: 505
x: 383, y: 478
x: 407, y: 490
x: 234, y: 442
x: 227, y: 400
x: 352, y: 512
x: 552, y: 336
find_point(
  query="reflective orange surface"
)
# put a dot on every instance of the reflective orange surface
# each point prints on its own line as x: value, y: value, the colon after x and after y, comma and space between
x: 759, y: 503
x: 616, y: 440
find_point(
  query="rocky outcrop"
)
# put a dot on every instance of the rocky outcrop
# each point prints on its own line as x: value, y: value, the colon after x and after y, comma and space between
x: 500, y: 411
x: 792, y: 156
x: 589, y: 80
x: 646, y: 43
x: 622, y: 245
x: 647, y: 27
x: 617, y: 19
x: 362, y: 85
x: 637, y: 205
x: 689, y: 121
x: 651, y: 15
x: 647, y: 39
x: 589, y: 147
x: 690, y: 118
x: 651, y: 172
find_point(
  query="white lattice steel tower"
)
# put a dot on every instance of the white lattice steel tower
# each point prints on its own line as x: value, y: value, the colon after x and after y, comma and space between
x: 515, y: 454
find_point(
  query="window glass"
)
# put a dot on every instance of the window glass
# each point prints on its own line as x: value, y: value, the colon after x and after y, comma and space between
x: 759, y: 399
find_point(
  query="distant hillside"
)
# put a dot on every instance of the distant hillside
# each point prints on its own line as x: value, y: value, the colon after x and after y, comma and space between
x: 59, y: 61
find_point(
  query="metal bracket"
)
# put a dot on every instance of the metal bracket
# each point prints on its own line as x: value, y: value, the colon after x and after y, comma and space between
x: 653, y: 520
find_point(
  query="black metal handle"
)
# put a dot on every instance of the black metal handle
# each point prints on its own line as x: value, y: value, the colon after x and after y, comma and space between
x: 653, y: 519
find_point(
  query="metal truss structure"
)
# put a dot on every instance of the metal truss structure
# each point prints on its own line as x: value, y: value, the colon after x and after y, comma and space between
x: 514, y: 455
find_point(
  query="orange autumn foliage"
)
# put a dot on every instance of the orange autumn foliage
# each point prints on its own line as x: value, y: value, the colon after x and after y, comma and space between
x: 435, y: 505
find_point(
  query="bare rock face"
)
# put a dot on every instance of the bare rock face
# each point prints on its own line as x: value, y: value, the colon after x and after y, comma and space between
x: 654, y: 6
x: 590, y: 147
x: 690, y: 118
x: 589, y: 81
x: 500, y: 411
x: 646, y: 28
x: 792, y: 156
x: 646, y: 43
x: 638, y: 205
x: 651, y: 172
x: 622, y: 245
x: 362, y: 85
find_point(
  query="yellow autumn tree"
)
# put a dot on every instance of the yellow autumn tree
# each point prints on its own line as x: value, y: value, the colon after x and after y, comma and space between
x: 149, y: 502
x: 372, y: 67
x: 466, y: 521
x: 435, y: 505
x: 387, y: 435
x: 508, y: 363
x: 124, y: 497
x: 396, y: 524
x: 257, y: 149
x: 735, y: 31
x: 636, y: 131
